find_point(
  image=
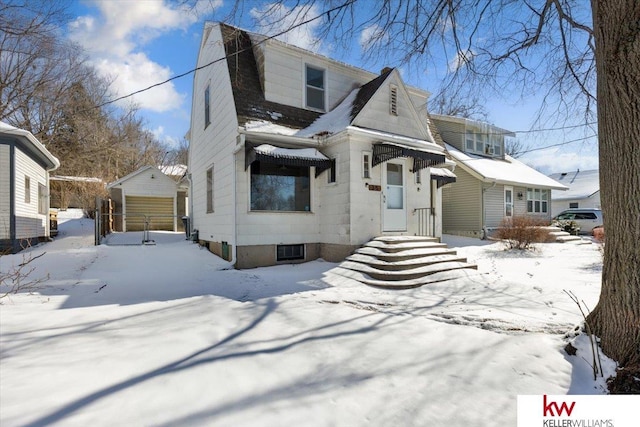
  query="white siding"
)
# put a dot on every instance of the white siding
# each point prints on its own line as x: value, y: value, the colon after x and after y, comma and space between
x: 143, y: 184
x: 376, y: 114
x: 5, y: 191
x: 334, y: 199
x: 213, y: 145
x: 29, y: 223
x: 284, y: 74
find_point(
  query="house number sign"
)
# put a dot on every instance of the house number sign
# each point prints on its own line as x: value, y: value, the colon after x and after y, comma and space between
x: 375, y: 188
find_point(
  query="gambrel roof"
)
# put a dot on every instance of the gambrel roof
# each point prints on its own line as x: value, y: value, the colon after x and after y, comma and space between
x: 248, y: 95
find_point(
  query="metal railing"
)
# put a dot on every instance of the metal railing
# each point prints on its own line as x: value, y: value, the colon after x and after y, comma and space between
x: 426, y: 221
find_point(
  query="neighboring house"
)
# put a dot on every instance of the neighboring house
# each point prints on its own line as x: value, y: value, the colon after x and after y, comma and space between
x: 491, y: 185
x: 148, y: 196
x: 294, y: 156
x: 24, y: 189
x: 584, y: 191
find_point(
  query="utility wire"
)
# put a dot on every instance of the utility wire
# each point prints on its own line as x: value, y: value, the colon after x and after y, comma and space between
x: 328, y: 13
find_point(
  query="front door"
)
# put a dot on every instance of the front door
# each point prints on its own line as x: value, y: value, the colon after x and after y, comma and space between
x: 394, y: 203
x: 508, y: 202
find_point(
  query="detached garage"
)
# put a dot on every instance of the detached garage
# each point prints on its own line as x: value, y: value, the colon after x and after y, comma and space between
x: 148, y: 196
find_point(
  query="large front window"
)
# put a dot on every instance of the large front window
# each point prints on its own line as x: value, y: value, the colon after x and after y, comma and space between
x: 280, y: 188
x: 537, y: 200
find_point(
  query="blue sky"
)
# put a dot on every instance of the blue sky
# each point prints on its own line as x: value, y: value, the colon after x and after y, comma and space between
x: 140, y: 43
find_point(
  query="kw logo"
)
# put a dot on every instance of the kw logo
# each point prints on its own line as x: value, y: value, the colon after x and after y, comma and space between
x: 551, y: 409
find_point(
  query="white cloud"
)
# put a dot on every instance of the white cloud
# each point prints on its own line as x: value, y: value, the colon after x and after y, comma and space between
x: 371, y: 36
x: 114, y: 40
x: 462, y: 58
x: 554, y: 161
x: 160, y: 135
x: 274, y: 18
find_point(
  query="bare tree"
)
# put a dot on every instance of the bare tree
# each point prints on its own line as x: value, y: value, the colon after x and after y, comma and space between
x: 552, y: 47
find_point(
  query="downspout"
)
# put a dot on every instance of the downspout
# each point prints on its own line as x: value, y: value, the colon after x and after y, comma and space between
x: 240, y: 139
x: 484, y: 211
x: 190, y: 213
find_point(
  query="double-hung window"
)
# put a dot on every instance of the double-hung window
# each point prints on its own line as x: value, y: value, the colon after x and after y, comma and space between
x: 207, y: 107
x: 366, y: 164
x: 27, y: 189
x: 315, y: 88
x: 537, y: 200
x: 42, y: 199
x: 210, y: 190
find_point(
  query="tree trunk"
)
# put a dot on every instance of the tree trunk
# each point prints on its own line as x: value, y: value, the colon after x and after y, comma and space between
x: 616, y: 318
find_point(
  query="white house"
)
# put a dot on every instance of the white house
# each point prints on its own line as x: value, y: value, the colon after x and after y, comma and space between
x: 491, y: 185
x: 148, y: 195
x: 584, y: 191
x: 294, y: 156
x: 24, y: 188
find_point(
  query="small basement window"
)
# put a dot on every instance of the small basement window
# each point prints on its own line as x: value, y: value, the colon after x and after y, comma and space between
x: 290, y: 252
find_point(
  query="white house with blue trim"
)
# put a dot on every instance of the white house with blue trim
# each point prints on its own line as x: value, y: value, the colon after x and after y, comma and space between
x: 24, y: 189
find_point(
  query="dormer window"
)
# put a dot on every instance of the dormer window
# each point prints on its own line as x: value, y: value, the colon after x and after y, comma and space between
x: 483, y: 143
x: 393, y: 100
x: 315, y: 88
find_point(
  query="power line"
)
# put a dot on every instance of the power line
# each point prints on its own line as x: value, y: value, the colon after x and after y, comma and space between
x: 328, y: 13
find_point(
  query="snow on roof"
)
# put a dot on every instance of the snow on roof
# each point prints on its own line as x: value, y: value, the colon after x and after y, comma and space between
x: 292, y: 153
x: 12, y: 130
x: 264, y: 126
x: 173, y: 170
x: 334, y: 121
x: 75, y: 179
x: 442, y: 172
x: 582, y: 184
x: 507, y: 171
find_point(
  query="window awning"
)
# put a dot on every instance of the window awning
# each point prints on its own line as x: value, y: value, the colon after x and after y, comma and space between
x: 442, y: 176
x: 303, y: 157
x: 422, y: 158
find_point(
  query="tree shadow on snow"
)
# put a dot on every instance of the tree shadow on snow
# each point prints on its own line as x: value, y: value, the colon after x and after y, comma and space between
x: 219, y: 352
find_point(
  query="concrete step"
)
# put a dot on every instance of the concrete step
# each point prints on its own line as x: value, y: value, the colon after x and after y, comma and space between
x: 406, y: 284
x: 396, y: 265
x: 404, y: 239
x: 406, y: 274
x: 403, y: 245
x: 404, y: 254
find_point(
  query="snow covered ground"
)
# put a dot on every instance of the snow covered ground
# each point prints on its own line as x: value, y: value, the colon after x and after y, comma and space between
x: 168, y: 335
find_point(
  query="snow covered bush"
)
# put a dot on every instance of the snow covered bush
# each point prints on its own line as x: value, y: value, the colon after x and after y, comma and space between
x: 567, y: 225
x: 520, y: 232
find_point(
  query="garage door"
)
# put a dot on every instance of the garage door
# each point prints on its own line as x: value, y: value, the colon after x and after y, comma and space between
x: 158, y: 210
